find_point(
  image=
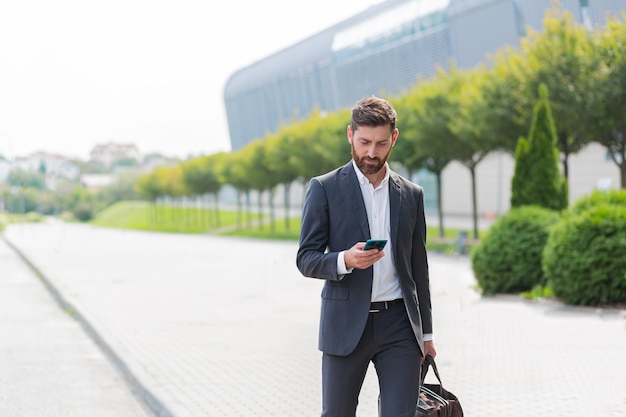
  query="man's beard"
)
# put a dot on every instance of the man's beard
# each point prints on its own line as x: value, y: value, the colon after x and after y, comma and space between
x: 368, y: 169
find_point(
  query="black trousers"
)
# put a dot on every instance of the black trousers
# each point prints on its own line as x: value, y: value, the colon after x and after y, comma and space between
x: 388, y: 341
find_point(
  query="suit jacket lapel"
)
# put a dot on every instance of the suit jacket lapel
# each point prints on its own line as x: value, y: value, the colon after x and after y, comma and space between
x: 352, y: 191
x: 395, y: 201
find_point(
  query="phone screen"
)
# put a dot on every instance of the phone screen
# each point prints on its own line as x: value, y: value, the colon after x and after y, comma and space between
x: 375, y: 243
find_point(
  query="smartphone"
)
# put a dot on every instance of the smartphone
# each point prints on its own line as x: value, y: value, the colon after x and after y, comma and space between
x: 375, y: 243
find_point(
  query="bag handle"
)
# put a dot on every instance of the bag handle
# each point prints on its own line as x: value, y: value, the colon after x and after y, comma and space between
x: 429, y: 362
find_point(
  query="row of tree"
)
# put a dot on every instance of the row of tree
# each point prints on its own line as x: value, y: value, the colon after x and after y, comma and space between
x: 456, y: 115
x: 26, y: 192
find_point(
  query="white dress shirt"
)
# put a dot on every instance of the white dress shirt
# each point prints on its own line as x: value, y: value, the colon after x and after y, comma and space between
x: 386, y: 286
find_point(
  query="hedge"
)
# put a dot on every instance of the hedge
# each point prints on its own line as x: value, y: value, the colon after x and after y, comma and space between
x: 585, y: 257
x: 508, y: 258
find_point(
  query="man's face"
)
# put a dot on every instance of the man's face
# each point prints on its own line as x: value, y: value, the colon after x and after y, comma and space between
x: 371, y: 147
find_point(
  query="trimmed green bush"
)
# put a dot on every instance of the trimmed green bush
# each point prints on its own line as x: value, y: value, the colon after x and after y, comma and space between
x: 508, y: 258
x: 597, y: 198
x: 33, y: 217
x: 83, y: 212
x: 585, y: 257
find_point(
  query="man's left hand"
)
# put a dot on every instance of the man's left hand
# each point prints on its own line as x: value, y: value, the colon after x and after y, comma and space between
x: 429, y: 349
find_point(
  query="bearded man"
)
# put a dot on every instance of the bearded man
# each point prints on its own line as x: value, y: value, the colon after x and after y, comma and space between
x: 375, y: 303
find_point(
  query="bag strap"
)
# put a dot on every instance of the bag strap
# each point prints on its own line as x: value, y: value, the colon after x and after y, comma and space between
x: 429, y: 362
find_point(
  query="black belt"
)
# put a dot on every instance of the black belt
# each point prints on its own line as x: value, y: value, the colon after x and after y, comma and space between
x: 384, y: 305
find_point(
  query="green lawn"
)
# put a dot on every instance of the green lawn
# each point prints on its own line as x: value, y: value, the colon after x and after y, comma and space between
x: 280, y: 230
x: 140, y: 215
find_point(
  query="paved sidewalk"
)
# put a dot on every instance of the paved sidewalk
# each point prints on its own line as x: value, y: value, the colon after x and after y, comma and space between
x: 225, y: 327
x: 49, y: 367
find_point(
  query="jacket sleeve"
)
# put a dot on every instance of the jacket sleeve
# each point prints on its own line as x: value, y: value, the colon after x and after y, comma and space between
x: 312, y: 259
x: 420, y: 267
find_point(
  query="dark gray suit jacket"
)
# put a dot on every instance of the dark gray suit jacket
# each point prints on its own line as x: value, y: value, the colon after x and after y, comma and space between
x: 334, y: 219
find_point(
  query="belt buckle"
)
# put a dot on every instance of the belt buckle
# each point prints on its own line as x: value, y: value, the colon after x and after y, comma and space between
x: 385, y: 307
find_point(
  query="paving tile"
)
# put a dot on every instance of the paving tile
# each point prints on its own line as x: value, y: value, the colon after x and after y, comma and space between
x: 216, y: 326
x: 49, y: 366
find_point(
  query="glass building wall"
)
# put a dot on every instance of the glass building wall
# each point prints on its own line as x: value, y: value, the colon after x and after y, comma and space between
x: 381, y: 53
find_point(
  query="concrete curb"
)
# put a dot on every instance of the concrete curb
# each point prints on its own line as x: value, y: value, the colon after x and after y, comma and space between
x: 137, y: 387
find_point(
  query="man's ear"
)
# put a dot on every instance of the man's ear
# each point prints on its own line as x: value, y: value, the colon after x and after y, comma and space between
x: 394, y: 136
x: 349, y: 132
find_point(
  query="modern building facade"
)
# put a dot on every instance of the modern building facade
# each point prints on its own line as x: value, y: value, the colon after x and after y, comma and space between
x: 383, y: 51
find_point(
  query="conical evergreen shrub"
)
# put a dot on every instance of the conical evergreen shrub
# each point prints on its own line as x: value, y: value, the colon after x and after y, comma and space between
x: 537, y: 179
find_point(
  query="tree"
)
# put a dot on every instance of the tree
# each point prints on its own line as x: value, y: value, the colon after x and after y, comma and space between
x: 281, y: 157
x: 406, y: 150
x: 201, y: 177
x: 521, y: 174
x: 504, y: 112
x: 122, y: 189
x: 558, y: 57
x: 473, y: 139
x: 318, y: 144
x: 429, y: 113
x: 257, y: 170
x: 161, y: 182
x: 234, y: 172
x: 148, y: 188
x: 170, y: 179
x: 607, y: 123
x: 537, y: 180
x: 30, y: 179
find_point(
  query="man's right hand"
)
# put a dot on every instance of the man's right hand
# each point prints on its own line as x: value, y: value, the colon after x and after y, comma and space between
x: 356, y: 257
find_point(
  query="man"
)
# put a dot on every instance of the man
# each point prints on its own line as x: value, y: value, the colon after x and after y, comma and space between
x: 375, y: 303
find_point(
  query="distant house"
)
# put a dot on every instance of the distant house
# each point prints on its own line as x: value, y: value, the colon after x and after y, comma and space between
x: 54, y: 165
x: 107, y: 154
x: 95, y: 182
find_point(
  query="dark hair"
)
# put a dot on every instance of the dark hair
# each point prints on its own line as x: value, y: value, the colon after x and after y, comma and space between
x: 373, y: 112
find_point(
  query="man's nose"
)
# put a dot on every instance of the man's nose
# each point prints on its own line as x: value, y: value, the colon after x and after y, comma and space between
x: 371, y: 151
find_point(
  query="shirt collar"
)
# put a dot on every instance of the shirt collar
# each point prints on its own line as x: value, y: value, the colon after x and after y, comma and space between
x: 363, y: 179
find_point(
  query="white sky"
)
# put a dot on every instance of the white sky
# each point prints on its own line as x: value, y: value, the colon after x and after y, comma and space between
x: 148, y: 72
